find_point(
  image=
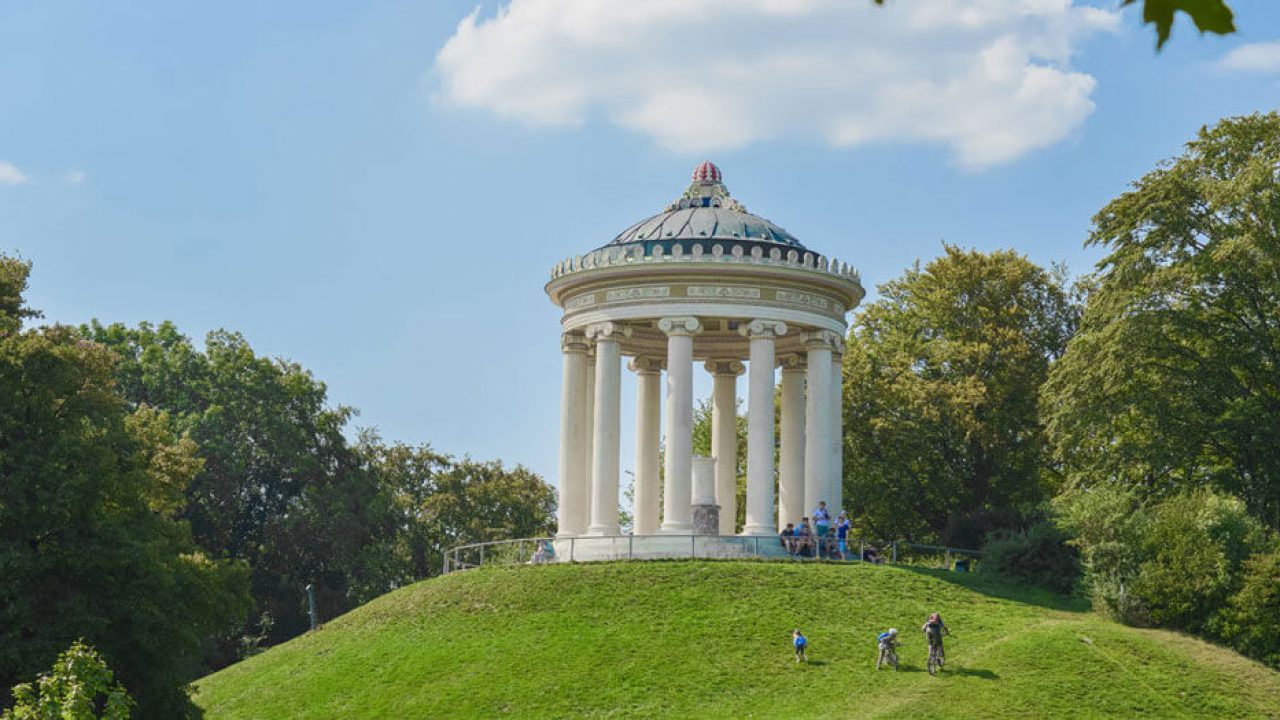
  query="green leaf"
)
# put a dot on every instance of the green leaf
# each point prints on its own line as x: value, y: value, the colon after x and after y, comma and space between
x: 1209, y: 16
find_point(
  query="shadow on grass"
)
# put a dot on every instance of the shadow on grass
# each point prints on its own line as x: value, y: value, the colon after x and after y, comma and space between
x: 973, y: 672
x: 1005, y: 589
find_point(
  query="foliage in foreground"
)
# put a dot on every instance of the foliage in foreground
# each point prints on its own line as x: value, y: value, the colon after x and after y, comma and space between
x: 90, y: 542
x: 79, y: 687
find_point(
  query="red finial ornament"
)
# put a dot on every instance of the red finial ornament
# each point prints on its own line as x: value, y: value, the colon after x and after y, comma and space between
x: 706, y: 172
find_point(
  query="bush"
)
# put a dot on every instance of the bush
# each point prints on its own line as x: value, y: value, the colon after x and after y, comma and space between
x: 1107, y: 524
x: 1193, y: 554
x: 1252, y: 618
x: 1040, y: 556
x: 80, y: 687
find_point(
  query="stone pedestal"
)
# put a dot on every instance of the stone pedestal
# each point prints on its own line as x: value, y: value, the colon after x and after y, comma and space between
x: 706, y: 519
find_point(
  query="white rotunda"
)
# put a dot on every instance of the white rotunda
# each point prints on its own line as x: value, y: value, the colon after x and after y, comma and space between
x: 703, y: 281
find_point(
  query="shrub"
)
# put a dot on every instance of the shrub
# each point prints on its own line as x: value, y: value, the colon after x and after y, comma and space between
x: 1107, y: 524
x: 80, y: 687
x: 1193, y: 553
x: 1040, y: 556
x: 1252, y: 618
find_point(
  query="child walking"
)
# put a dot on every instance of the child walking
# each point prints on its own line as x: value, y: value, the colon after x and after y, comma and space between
x: 801, y: 642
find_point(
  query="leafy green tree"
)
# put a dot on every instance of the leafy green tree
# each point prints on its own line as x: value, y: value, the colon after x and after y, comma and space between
x: 1173, y: 381
x: 442, y: 503
x: 941, y: 376
x: 1252, y: 620
x: 90, y: 546
x: 79, y: 687
x: 280, y: 486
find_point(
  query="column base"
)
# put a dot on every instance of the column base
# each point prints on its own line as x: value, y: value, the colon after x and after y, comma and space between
x: 603, y: 531
x: 676, y: 529
x: 751, y: 530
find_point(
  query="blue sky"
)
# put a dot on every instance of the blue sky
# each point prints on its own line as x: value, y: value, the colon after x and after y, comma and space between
x: 330, y: 183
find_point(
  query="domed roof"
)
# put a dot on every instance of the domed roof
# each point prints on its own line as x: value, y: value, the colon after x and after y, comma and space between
x: 706, y: 211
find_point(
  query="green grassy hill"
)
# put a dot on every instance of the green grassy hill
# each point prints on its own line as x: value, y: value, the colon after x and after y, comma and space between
x: 712, y: 639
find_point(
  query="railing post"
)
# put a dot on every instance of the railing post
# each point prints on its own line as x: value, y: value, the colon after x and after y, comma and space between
x: 948, y: 558
x: 895, y: 552
x: 631, y: 547
x: 862, y: 551
x: 572, y: 542
x: 755, y: 545
x: 693, y: 547
x: 481, y: 556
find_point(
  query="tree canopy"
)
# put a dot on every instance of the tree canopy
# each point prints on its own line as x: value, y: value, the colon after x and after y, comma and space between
x: 942, y: 375
x: 1173, y: 381
x: 91, y: 545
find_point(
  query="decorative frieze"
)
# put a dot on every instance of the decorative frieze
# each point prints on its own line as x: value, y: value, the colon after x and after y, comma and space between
x: 580, y: 301
x: 802, y: 298
x: 722, y: 291
x: 637, y: 293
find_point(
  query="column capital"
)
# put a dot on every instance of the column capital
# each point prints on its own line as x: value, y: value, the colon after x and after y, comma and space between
x: 646, y: 364
x: 763, y: 329
x: 607, y: 330
x: 725, y: 367
x: 792, y: 362
x: 821, y: 340
x: 680, y: 325
x: 573, y: 343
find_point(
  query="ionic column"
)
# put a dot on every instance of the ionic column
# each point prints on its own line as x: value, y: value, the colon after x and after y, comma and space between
x: 724, y: 438
x: 677, y: 491
x: 836, y: 494
x: 573, y: 431
x: 648, y: 440
x: 604, y: 471
x: 760, y: 427
x: 817, y: 420
x: 588, y: 439
x: 791, y: 497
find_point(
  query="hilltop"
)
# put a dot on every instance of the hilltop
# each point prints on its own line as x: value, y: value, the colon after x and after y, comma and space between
x: 711, y: 639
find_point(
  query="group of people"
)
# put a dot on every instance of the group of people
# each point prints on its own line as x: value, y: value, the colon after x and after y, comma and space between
x: 934, y: 629
x: 822, y: 539
x: 887, y: 642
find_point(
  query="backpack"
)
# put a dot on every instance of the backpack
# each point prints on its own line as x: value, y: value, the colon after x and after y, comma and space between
x: 883, y: 637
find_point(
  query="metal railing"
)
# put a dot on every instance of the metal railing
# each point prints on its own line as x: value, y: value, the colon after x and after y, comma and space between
x: 543, y: 550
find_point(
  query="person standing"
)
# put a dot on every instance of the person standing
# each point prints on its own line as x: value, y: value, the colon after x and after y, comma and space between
x: 821, y: 524
x: 842, y: 532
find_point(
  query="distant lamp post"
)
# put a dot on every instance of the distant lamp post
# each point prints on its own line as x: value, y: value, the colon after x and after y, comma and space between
x: 311, y: 606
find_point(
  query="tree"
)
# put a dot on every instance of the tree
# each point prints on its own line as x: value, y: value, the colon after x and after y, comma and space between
x: 1209, y: 16
x: 280, y: 486
x: 442, y: 503
x: 79, y: 687
x: 90, y: 546
x: 941, y: 380
x: 1173, y: 381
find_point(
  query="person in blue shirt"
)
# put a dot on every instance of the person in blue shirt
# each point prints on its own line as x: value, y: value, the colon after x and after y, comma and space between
x: 888, y: 643
x: 801, y: 642
x: 842, y: 532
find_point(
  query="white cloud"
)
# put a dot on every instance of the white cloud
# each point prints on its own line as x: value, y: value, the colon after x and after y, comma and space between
x: 1263, y: 57
x: 989, y: 79
x: 10, y: 174
x: 74, y: 176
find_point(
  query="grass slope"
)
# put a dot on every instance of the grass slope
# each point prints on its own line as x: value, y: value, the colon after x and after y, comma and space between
x: 711, y: 639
